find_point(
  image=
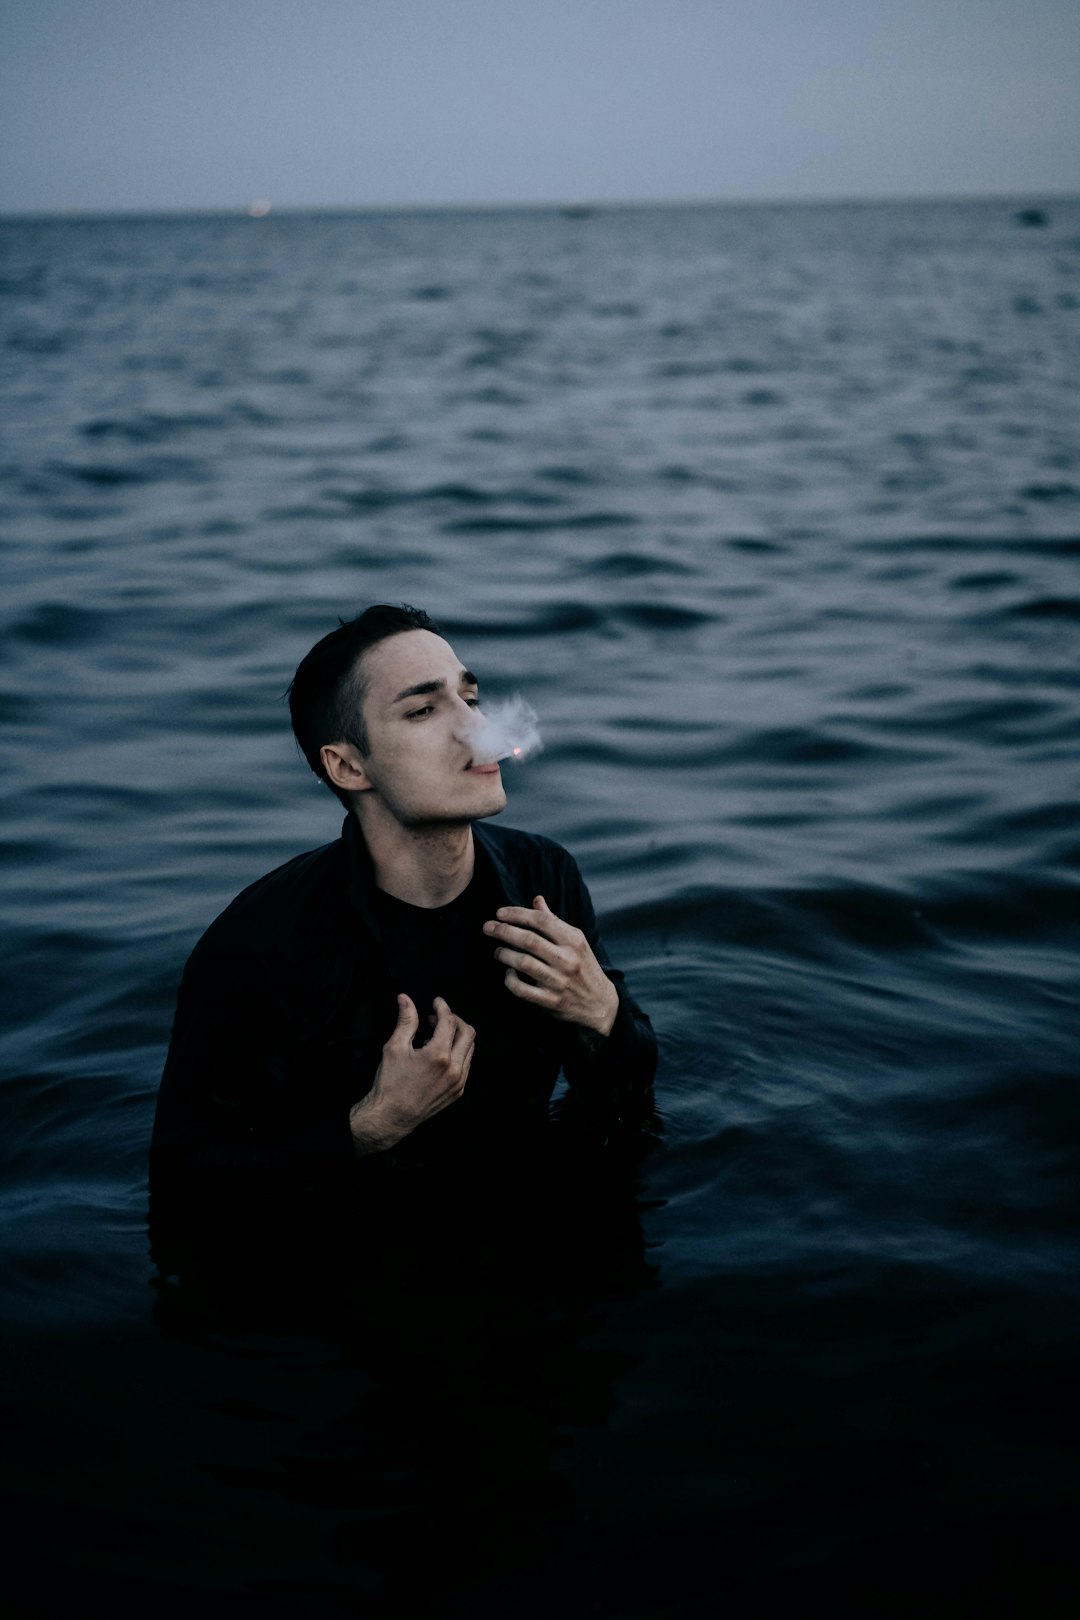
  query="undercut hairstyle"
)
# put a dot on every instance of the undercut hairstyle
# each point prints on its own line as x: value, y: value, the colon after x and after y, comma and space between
x: 327, y: 692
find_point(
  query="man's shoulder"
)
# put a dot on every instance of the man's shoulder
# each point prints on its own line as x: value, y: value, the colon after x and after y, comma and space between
x: 274, y: 909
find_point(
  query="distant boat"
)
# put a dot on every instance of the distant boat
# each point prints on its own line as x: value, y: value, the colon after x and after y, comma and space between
x: 577, y: 211
x: 1031, y: 216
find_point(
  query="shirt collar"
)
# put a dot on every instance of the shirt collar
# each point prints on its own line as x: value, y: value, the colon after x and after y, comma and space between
x: 361, y: 882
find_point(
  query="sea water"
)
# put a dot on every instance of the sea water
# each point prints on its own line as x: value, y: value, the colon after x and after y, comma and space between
x: 774, y: 514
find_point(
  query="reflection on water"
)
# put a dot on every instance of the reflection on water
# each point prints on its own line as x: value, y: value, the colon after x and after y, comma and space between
x: 774, y: 513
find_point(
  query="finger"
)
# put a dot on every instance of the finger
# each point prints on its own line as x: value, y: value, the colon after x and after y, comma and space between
x: 445, y: 1025
x: 463, y: 1043
x: 408, y: 1021
x: 526, y: 939
x: 462, y: 1032
x: 536, y: 968
x: 539, y: 922
x: 538, y: 994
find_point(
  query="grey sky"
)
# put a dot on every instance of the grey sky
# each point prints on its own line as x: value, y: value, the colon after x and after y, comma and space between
x: 115, y: 104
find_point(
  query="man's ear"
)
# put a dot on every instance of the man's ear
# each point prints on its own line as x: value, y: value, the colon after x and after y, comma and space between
x: 344, y: 767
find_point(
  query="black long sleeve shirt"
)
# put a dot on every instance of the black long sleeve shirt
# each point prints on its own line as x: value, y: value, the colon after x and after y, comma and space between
x: 285, y: 1005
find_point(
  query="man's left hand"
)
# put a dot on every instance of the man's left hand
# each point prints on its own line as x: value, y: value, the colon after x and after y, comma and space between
x: 567, y: 980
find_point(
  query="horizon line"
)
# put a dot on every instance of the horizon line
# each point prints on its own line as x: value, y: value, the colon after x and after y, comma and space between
x: 583, y: 207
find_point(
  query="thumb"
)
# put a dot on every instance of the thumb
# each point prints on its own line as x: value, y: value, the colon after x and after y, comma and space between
x: 408, y: 1021
x: 540, y: 904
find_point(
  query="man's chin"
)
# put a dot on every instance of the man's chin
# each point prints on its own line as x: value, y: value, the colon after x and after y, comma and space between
x: 495, y: 810
x: 443, y: 823
x: 418, y: 818
x: 491, y: 802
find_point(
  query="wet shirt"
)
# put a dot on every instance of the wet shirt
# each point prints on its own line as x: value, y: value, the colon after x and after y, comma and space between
x: 289, y: 997
x: 443, y: 951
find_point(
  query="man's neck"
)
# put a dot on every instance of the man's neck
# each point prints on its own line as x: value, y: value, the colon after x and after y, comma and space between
x: 424, y: 866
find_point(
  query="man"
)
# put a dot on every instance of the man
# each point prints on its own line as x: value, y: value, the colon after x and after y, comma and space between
x: 403, y: 999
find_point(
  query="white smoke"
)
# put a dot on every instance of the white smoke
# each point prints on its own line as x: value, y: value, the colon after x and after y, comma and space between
x: 507, y: 730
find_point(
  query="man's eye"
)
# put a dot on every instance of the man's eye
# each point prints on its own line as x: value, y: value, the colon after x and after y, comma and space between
x: 474, y: 703
x: 418, y: 714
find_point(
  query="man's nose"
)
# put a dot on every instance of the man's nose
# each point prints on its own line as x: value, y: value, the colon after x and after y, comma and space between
x: 468, y: 720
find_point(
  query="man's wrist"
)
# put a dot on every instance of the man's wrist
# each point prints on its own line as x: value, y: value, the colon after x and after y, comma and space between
x: 370, y: 1132
x: 604, y: 1022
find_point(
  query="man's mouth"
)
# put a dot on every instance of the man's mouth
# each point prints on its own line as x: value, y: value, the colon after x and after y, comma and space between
x: 487, y: 769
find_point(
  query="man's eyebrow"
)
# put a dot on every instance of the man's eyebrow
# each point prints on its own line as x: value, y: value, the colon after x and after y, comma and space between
x: 421, y: 689
x: 424, y: 688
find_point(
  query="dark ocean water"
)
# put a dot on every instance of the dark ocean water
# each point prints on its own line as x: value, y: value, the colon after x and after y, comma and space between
x: 774, y: 515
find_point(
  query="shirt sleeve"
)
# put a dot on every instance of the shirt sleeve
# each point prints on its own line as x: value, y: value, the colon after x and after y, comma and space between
x: 239, y: 1125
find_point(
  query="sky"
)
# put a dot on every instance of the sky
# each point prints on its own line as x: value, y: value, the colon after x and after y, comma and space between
x: 190, y: 104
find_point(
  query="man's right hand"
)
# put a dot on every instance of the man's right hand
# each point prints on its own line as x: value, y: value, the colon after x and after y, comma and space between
x: 413, y: 1082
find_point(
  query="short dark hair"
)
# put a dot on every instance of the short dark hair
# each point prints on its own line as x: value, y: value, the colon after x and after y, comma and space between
x: 326, y: 693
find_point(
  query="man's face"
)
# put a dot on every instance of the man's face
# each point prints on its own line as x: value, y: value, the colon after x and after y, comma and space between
x: 420, y: 710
